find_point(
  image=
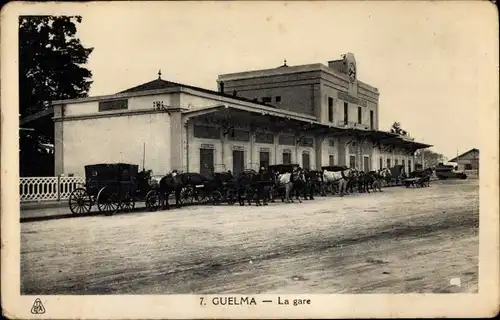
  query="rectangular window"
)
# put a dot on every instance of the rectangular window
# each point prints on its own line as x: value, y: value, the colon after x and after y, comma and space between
x: 261, y: 137
x: 360, y: 115
x: 468, y: 166
x: 371, y: 119
x: 113, y: 105
x: 278, y: 98
x: 331, y: 160
x: 388, y: 163
x: 266, y: 99
x: 409, y: 166
x: 286, y: 140
x: 330, y: 109
x: 239, y: 135
x: 331, y: 143
x: 206, y: 132
x: 381, y: 163
x: 287, y: 158
x: 396, y: 161
x: 307, y: 142
x: 346, y: 112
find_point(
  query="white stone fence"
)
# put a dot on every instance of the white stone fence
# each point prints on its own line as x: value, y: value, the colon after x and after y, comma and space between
x: 48, y: 188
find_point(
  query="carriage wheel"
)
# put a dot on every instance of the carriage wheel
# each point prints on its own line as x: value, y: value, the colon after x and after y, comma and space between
x: 200, y: 195
x: 80, y: 201
x: 187, y: 195
x: 107, y: 201
x: 128, y: 203
x: 216, y: 197
x: 152, y: 200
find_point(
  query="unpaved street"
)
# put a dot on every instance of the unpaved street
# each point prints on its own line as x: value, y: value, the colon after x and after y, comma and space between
x: 399, y: 241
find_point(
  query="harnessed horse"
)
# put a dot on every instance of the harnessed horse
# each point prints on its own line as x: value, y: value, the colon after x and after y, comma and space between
x: 338, y: 177
x: 290, y: 181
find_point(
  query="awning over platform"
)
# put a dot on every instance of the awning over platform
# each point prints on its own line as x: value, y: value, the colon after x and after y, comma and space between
x: 282, y: 119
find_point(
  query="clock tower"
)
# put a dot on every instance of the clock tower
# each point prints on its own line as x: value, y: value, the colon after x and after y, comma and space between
x: 352, y: 73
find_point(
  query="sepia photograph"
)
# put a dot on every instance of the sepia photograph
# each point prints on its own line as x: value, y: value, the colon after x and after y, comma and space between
x: 250, y: 159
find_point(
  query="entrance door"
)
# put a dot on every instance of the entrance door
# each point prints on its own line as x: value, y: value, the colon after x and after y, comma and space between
x: 306, y: 161
x: 409, y: 167
x: 206, y: 161
x: 238, y: 161
x: 366, y: 164
x: 352, y: 162
x: 403, y: 164
x: 287, y: 158
x: 264, y: 159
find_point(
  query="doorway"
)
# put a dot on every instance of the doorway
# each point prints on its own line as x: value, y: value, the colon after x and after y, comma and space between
x: 206, y: 161
x: 352, y: 162
x: 366, y: 164
x: 287, y: 158
x: 306, y: 161
x: 238, y: 161
x: 263, y: 159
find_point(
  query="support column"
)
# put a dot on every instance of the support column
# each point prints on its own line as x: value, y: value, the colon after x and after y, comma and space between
x: 318, y: 148
x: 252, y: 146
x: 176, y: 141
x: 58, y: 141
x: 223, y: 140
x: 359, y: 155
x: 276, y: 144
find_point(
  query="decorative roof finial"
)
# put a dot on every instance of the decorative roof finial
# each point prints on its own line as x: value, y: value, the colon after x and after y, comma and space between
x: 159, y: 74
x: 284, y: 65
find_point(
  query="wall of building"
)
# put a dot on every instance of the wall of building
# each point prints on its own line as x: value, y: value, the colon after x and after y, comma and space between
x: 117, y: 139
x: 330, y: 91
x: 134, y: 103
x: 298, y: 91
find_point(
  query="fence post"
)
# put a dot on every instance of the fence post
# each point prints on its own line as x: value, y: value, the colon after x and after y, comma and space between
x: 58, y: 188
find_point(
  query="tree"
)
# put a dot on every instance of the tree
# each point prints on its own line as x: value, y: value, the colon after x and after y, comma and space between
x: 50, y: 62
x: 429, y: 158
x: 396, y: 128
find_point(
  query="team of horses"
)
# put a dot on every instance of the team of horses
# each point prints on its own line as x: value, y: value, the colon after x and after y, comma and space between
x: 275, y: 182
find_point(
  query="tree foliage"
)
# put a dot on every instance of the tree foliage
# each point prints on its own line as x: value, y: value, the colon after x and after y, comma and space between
x: 430, y: 158
x: 51, y: 67
x: 51, y: 60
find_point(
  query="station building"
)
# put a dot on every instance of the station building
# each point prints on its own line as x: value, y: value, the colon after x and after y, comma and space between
x: 313, y: 115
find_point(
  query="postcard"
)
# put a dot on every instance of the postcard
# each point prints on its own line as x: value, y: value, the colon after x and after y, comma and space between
x: 247, y: 160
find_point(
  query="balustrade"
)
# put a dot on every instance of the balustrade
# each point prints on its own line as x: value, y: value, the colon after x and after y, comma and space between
x: 48, y: 188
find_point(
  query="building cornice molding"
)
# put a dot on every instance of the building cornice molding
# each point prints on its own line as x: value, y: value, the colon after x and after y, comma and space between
x: 123, y: 113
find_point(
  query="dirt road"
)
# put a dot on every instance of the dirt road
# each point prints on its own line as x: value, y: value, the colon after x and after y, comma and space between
x: 399, y: 241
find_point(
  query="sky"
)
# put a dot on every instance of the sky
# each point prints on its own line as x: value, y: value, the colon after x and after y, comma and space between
x: 429, y: 60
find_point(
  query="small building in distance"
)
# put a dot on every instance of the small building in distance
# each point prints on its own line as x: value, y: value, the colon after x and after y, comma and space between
x: 468, y: 162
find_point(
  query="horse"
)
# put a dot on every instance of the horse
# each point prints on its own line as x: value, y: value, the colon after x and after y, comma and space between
x: 338, y: 177
x: 288, y: 180
x: 385, y: 175
x: 377, y: 180
x: 314, y: 182
x: 175, y: 182
x: 424, y: 175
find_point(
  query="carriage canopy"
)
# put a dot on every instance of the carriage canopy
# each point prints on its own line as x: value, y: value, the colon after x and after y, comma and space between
x: 100, y: 175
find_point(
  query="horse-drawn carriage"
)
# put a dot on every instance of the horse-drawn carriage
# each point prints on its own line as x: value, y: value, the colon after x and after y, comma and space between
x: 397, y: 175
x: 112, y: 187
